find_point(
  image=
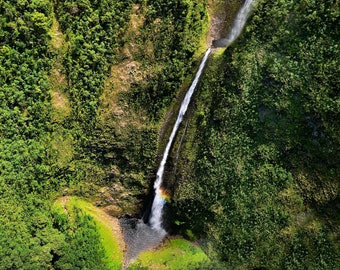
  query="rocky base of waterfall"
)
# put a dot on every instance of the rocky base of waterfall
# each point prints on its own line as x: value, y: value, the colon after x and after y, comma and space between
x: 139, y: 237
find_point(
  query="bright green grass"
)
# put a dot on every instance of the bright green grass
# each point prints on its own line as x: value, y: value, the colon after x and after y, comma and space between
x: 173, y: 254
x: 114, y: 253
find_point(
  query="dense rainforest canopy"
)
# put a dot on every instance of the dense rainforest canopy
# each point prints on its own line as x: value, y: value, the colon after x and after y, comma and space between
x: 85, y: 87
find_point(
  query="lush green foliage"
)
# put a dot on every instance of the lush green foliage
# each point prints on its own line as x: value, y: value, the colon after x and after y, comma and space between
x: 263, y: 186
x: 52, y: 79
x: 28, y: 239
x: 173, y: 254
x: 29, y: 170
x: 260, y: 158
x: 24, y: 96
x: 176, y: 28
x: 89, y: 228
x: 93, y: 32
x: 82, y: 248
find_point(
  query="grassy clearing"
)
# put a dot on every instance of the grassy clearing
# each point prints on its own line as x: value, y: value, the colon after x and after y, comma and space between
x: 108, y: 228
x: 173, y: 254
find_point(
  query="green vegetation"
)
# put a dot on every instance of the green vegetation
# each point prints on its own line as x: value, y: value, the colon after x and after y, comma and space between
x: 104, y: 225
x: 93, y: 30
x: 55, y: 63
x: 84, y: 91
x: 82, y: 248
x: 157, y: 55
x: 175, y: 38
x: 173, y: 254
x: 28, y: 239
x: 258, y: 173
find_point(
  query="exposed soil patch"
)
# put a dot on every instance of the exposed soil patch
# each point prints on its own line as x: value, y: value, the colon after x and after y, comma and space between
x: 58, y: 99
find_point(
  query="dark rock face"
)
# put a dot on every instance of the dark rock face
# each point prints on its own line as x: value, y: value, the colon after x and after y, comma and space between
x: 219, y: 43
x: 222, y: 17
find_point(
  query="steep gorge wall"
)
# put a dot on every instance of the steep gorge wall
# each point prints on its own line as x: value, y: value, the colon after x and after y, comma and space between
x: 118, y: 94
x: 256, y: 173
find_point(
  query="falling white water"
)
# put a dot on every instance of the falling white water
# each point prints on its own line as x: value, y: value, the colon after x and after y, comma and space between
x: 238, y: 25
x: 158, y: 203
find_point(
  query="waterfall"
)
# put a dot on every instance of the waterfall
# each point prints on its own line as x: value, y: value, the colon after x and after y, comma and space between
x: 155, y: 220
x: 237, y: 27
x: 157, y: 205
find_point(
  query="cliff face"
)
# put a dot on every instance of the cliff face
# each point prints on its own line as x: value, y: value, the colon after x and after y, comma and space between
x: 117, y: 79
x: 121, y: 71
x: 159, y: 51
x: 222, y: 15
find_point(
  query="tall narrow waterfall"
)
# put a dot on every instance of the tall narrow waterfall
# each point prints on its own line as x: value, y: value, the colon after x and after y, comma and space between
x: 159, y: 201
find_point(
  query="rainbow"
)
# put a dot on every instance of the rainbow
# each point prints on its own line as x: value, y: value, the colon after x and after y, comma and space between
x: 165, y: 195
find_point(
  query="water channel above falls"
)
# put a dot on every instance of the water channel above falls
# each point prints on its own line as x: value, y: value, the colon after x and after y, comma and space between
x: 139, y: 235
